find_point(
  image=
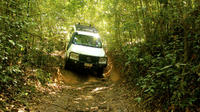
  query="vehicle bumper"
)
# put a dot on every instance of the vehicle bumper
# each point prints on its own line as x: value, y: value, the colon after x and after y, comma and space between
x: 82, y: 64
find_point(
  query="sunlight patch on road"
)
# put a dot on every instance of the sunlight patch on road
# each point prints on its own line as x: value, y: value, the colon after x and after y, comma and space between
x: 77, y: 99
x: 115, y: 75
x: 87, y: 97
x: 21, y: 110
x: 83, y: 98
x: 98, y: 89
x: 76, y: 102
x: 79, y: 88
x: 69, y: 77
x: 92, y: 79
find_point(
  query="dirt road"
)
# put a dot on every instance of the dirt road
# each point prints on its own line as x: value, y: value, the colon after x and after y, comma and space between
x: 82, y: 91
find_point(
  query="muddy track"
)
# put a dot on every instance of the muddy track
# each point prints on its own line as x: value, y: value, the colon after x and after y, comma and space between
x: 83, y: 91
x: 86, y: 94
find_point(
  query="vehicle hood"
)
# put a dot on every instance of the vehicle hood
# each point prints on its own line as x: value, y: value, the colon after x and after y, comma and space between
x: 86, y: 50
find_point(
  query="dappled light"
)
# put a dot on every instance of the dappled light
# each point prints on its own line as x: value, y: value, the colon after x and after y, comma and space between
x: 99, y: 55
x: 69, y: 77
x: 98, y: 89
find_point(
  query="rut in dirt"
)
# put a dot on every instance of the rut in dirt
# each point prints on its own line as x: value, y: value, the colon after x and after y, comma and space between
x: 82, y: 91
x: 92, y: 95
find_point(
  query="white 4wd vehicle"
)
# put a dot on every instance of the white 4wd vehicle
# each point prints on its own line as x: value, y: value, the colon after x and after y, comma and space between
x: 85, y: 49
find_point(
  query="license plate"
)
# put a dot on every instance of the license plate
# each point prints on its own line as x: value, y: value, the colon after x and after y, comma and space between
x: 87, y: 65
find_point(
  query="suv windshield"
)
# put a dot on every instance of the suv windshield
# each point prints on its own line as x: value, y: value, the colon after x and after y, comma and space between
x: 87, y: 41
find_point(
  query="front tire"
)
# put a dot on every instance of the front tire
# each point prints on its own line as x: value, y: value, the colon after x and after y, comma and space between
x: 100, y: 72
x: 67, y: 65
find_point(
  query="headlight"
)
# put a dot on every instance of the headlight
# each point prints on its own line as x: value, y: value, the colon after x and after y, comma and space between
x: 74, y: 56
x: 103, y: 60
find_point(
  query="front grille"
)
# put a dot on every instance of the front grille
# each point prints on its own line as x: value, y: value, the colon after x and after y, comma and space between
x: 88, y: 59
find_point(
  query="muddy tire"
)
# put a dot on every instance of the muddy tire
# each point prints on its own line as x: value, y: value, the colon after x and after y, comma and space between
x: 100, y: 72
x: 67, y: 65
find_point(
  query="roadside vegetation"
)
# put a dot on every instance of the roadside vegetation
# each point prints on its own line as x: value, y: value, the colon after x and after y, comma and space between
x: 156, y: 43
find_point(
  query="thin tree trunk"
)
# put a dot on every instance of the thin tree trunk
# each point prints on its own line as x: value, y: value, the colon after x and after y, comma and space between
x: 117, y: 22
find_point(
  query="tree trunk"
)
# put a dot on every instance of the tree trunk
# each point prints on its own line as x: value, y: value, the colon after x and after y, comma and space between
x: 117, y: 23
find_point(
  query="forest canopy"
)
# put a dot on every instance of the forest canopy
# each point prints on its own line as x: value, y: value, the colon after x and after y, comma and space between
x: 155, y: 42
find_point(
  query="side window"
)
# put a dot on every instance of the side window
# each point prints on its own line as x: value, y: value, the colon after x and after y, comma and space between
x: 71, y: 40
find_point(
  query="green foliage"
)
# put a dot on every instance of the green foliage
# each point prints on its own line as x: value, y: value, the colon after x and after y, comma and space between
x: 13, y: 22
x: 162, y: 76
x: 158, y: 45
x: 18, y: 31
x: 43, y: 76
x: 156, y: 42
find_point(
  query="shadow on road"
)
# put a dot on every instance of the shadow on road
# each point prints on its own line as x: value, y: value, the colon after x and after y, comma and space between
x: 78, y: 76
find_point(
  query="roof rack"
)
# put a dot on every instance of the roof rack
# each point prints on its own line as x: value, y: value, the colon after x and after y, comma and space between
x: 79, y: 27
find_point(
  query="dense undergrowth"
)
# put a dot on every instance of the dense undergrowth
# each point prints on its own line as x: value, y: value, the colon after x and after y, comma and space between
x: 25, y: 52
x: 158, y: 69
